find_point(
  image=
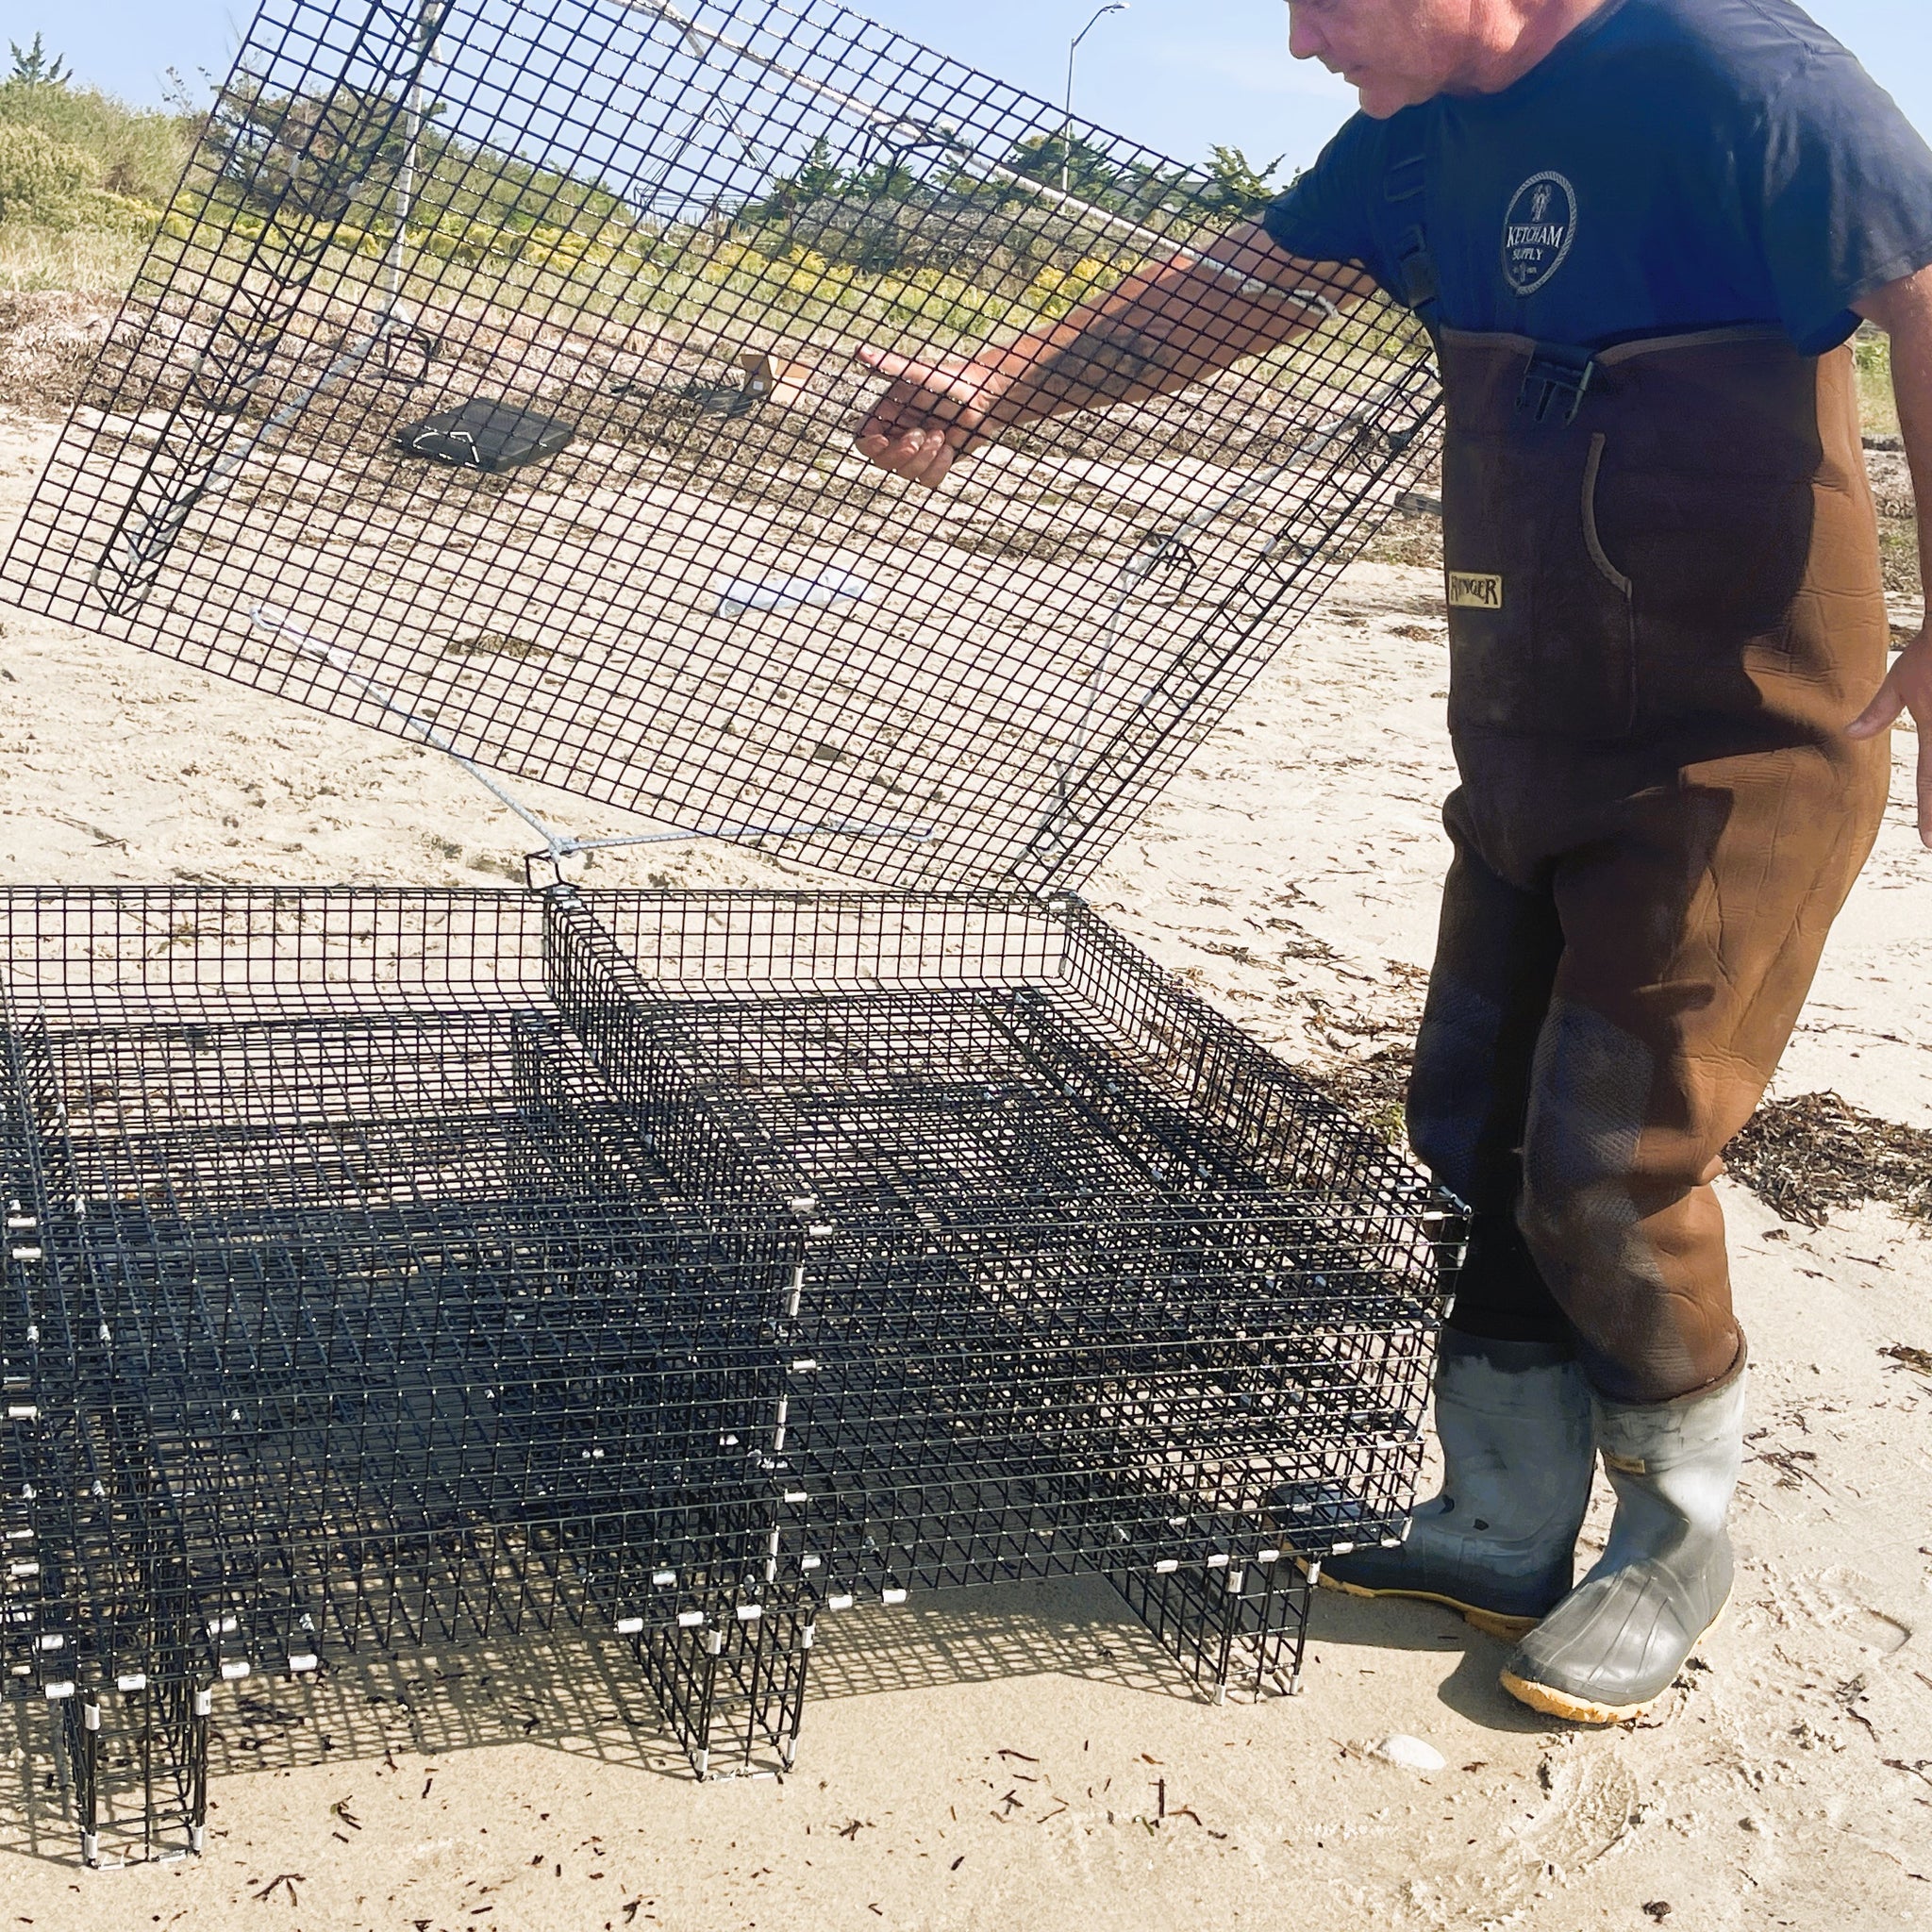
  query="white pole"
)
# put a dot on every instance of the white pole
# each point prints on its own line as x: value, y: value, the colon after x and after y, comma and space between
x: 406, y: 174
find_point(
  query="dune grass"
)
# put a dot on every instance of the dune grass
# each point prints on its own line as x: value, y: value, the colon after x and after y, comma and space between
x: 1871, y: 351
x: 83, y: 180
x: 84, y: 262
x: 86, y: 183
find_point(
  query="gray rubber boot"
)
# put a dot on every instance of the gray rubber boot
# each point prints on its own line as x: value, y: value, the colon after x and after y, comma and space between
x: 1613, y: 1646
x: 1499, y: 1543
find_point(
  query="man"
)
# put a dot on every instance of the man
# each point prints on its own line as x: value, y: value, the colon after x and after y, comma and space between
x: 1640, y: 232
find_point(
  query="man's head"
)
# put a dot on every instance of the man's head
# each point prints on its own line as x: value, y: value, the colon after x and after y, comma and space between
x: 1398, y: 52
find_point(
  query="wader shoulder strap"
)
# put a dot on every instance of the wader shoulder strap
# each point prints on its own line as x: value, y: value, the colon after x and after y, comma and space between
x: 1556, y: 378
x: 1404, y: 189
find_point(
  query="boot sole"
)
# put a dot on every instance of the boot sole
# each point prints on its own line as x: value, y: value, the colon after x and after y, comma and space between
x: 1575, y: 1710
x: 1490, y: 1623
x: 1582, y: 1711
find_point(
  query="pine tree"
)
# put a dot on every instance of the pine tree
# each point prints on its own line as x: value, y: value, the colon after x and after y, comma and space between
x: 1239, y: 187
x: 35, y: 67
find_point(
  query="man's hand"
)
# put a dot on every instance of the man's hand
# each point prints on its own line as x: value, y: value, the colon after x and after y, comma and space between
x: 1903, y: 311
x: 1164, y: 328
x: 932, y: 413
x: 1908, y: 688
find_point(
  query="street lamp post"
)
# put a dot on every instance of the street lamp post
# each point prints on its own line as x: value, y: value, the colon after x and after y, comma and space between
x: 1072, y: 48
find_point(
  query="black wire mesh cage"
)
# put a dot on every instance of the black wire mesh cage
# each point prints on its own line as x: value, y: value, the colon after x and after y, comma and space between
x: 402, y: 1268
x: 348, y: 1309
x: 1087, y: 1280
x: 388, y: 1268
x: 496, y: 364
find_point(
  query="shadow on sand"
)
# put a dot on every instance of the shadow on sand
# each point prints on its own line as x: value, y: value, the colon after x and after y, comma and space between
x: 585, y: 1697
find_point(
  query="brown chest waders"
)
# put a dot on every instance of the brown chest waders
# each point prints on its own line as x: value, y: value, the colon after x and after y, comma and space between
x: 1665, y: 605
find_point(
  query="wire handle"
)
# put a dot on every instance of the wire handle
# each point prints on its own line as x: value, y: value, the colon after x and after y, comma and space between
x: 558, y: 846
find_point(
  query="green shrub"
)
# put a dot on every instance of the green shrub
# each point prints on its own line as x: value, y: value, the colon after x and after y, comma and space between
x: 35, y: 67
x: 41, y: 179
x: 138, y: 152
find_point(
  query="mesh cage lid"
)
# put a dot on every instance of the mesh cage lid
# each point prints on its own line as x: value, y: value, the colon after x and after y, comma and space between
x: 629, y: 251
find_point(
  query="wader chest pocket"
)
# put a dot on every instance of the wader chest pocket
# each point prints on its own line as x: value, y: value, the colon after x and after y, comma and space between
x: 1541, y: 637
x: 1723, y: 553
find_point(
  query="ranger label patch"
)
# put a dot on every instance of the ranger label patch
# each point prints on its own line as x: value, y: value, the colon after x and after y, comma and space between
x: 1469, y: 591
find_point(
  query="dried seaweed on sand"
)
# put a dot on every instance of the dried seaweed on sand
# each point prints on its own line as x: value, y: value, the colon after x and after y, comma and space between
x: 1805, y: 1156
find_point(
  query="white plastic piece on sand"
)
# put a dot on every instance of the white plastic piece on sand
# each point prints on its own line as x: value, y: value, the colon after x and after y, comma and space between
x: 1411, y: 1753
x: 836, y: 580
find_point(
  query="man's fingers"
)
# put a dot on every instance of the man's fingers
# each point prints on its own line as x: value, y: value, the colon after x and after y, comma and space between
x: 1906, y: 688
x: 934, y: 462
x: 945, y: 389
x: 919, y: 456
x: 928, y: 415
x: 1881, y: 713
x: 931, y: 414
x: 908, y: 378
x: 928, y: 457
x: 886, y: 361
x: 888, y: 453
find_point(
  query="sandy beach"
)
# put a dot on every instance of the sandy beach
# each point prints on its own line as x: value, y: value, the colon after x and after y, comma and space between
x: 1025, y: 1758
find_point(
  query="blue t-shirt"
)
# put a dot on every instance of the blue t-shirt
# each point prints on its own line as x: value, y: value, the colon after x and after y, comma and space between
x: 1672, y: 165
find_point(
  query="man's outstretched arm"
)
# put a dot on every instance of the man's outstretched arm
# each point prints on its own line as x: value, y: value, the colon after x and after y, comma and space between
x: 1903, y: 311
x: 1161, y: 329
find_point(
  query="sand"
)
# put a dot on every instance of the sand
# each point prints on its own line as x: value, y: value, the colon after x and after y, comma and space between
x: 1025, y: 1758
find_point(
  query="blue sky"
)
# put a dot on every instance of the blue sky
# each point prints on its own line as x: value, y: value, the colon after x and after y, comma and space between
x: 1178, y: 74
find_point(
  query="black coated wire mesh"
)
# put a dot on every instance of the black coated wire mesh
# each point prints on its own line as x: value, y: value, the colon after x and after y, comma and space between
x: 1090, y: 1280
x: 389, y: 1269
x: 348, y: 1309
x: 497, y: 358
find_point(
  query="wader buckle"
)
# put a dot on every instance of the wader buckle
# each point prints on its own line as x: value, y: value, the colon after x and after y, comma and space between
x: 1556, y: 380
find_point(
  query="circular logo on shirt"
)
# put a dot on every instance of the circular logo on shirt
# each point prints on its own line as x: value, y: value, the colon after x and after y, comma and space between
x: 1538, y: 231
